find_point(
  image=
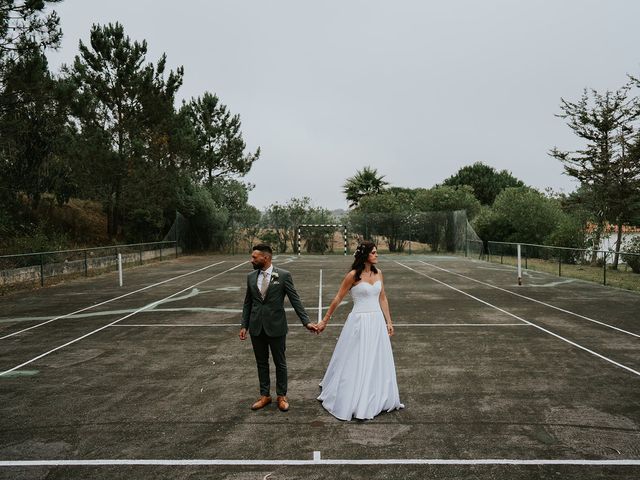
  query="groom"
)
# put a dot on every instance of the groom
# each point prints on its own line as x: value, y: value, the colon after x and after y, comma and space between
x: 264, y: 318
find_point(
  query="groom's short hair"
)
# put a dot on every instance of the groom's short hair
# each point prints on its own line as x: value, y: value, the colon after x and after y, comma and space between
x: 264, y: 248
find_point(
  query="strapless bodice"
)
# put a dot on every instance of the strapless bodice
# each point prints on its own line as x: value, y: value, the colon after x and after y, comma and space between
x: 366, y: 297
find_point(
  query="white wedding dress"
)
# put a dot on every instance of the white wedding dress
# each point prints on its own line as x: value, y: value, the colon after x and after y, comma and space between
x: 360, y: 380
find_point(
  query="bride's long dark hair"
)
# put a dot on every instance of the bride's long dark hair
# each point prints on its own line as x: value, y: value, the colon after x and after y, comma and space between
x: 361, y: 254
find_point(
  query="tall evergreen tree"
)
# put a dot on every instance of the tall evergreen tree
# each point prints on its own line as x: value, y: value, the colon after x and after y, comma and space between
x: 220, y: 147
x: 31, y: 111
x: 605, y: 166
x: 32, y: 128
x: 25, y: 21
x: 118, y: 98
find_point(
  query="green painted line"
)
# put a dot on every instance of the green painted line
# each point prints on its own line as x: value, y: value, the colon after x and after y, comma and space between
x: 22, y: 373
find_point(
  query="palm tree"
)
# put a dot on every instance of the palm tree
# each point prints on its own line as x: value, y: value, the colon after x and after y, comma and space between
x: 364, y: 182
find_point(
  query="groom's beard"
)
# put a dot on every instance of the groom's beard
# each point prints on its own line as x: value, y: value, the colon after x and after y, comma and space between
x: 259, y: 263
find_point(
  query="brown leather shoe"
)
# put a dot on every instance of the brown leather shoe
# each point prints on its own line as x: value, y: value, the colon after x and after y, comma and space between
x: 262, y: 402
x: 283, y: 404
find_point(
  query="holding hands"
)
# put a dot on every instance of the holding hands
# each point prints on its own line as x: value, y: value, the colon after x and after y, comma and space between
x: 323, y: 324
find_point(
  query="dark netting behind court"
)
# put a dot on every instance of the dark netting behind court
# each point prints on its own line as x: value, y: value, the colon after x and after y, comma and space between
x: 179, y: 231
x: 419, y: 232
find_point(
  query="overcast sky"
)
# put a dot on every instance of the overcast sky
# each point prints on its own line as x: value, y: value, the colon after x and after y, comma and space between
x: 414, y: 88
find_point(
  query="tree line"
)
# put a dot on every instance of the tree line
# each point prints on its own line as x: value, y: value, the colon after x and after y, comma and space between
x: 106, y: 128
x: 501, y: 207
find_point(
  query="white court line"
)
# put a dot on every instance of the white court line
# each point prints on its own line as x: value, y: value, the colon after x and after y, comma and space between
x: 526, y: 321
x: 173, y: 325
x: 112, y: 313
x: 333, y: 324
x: 108, y: 301
x: 118, y: 320
x: 533, y: 300
x: 317, y: 461
x: 460, y: 325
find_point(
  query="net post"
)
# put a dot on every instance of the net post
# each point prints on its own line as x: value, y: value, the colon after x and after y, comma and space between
x: 41, y: 270
x: 120, y: 268
x: 519, y: 264
x: 320, y: 299
x: 299, y: 240
x: 559, y: 265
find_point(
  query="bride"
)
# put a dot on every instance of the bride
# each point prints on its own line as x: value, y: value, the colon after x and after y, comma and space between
x: 360, y: 380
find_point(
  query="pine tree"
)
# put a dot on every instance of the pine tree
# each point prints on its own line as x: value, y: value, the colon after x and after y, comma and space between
x: 605, y: 166
x: 32, y: 110
x: 219, y: 143
x: 120, y: 100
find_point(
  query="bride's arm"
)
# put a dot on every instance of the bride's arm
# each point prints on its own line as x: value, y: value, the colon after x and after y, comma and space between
x: 384, y: 305
x: 346, y: 285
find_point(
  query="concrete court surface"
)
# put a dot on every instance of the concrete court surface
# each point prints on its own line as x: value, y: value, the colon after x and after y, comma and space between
x: 500, y: 381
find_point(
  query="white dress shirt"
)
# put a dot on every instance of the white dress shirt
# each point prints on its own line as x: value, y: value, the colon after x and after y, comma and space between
x: 264, y: 275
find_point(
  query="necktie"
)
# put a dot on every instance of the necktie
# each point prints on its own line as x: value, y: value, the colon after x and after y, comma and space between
x: 265, y: 285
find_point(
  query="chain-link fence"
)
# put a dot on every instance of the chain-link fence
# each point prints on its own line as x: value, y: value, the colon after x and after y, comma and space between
x: 585, y: 264
x: 48, y: 267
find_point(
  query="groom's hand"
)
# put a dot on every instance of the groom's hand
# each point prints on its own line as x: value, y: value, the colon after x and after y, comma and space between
x: 312, y: 327
x: 243, y: 334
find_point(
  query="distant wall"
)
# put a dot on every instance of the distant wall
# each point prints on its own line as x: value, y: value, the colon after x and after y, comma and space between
x: 93, y: 266
x: 609, y: 242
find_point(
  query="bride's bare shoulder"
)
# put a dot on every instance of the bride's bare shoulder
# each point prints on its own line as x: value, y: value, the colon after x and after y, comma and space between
x: 349, y: 280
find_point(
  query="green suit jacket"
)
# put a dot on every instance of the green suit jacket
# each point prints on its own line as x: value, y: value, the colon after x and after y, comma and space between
x: 269, y: 314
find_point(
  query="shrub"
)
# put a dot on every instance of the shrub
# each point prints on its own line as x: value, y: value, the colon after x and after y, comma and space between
x: 521, y: 215
x: 632, y: 246
x: 569, y: 233
x: 270, y: 237
x: 143, y: 224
